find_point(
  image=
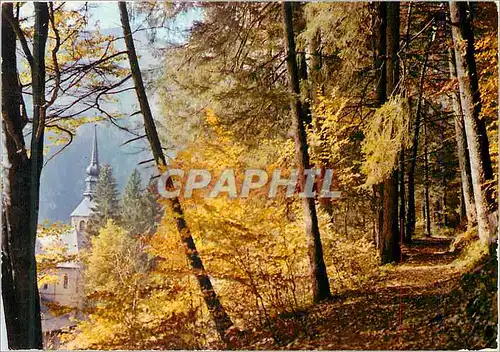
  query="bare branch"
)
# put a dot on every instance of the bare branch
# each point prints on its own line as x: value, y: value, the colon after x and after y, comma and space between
x: 69, y: 133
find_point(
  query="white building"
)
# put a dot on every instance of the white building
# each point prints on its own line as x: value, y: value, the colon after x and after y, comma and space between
x: 67, y: 289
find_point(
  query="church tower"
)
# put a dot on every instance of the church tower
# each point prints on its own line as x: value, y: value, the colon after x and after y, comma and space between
x: 67, y: 291
x: 81, y: 215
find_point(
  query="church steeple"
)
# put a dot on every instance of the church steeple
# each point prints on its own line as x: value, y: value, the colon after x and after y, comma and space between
x: 92, y: 169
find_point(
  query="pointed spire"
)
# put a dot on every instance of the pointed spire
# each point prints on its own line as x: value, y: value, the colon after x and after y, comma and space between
x: 95, y: 154
x: 93, y: 169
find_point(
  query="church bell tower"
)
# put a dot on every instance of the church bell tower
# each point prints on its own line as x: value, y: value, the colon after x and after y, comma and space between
x: 81, y: 215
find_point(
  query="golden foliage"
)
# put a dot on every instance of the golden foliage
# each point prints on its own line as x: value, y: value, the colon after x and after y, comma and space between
x: 385, y: 135
x: 254, y: 248
x: 129, y: 304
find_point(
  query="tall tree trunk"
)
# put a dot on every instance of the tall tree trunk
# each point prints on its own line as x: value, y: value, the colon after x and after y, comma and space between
x: 443, y: 217
x: 216, y: 309
x: 380, y: 49
x: 402, y: 200
x: 303, y: 77
x: 475, y: 129
x: 21, y: 187
x: 390, y: 247
x: 402, y: 170
x: 463, y: 152
x: 427, y: 201
x: 36, y: 157
x: 410, y: 224
x: 320, y: 283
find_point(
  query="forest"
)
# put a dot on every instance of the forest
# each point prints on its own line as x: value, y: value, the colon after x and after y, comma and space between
x: 319, y: 175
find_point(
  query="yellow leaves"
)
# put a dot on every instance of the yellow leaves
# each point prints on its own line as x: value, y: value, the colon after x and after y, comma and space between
x: 385, y: 135
x: 210, y: 117
x: 47, y: 228
x: 330, y: 134
x: 132, y: 306
x: 487, y: 64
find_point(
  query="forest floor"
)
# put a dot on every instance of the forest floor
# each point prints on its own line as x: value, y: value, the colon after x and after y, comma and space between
x: 427, y: 302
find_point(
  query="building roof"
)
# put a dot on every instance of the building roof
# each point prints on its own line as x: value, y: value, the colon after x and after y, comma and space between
x: 55, y: 323
x: 84, y: 208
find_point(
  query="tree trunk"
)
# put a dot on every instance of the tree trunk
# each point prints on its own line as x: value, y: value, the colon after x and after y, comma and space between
x: 475, y: 129
x: 390, y: 248
x: 410, y: 224
x: 463, y: 152
x: 402, y: 200
x: 443, y: 217
x: 427, y: 201
x: 403, y: 236
x: 216, y: 309
x: 21, y: 185
x: 320, y: 283
x: 380, y: 48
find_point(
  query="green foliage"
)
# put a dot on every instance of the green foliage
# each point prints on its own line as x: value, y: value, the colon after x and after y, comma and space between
x: 343, y: 28
x: 139, y: 209
x: 234, y: 64
x: 106, y: 204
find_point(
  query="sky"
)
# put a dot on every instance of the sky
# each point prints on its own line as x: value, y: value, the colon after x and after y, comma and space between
x: 107, y: 15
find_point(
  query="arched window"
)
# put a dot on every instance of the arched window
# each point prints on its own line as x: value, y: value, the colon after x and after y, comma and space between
x: 82, y: 225
x: 45, y: 286
x: 65, y: 281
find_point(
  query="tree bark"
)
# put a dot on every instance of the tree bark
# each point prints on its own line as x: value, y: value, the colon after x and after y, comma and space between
x: 402, y: 200
x: 475, y: 129
x: 21, y: 186
x: 411, y: 218
x: 390, y: 248
x: 463, y: 152
x: 215, y: 307
x: 320, y: 283
x: 380, y: 48
x: 427, y: 201
x: 443, y: 216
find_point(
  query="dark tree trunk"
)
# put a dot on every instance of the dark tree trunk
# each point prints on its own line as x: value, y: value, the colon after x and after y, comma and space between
x: 303, y: 78
x: 427, y: 201
x: 402, y: 200
x: 410, y: 224
x: 380, y: 48
x: 475, y: 129
x: 463, y: 152
x: 320, y: 283
x: 390, y: 248
x: 216, y: 309
x: 22, y: 180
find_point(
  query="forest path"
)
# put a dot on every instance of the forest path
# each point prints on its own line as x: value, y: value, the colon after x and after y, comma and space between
x: 402, y: 309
